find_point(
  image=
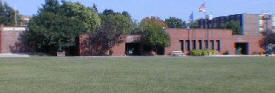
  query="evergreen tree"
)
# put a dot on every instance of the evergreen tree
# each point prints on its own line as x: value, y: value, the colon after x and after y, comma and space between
x: 9, y: 16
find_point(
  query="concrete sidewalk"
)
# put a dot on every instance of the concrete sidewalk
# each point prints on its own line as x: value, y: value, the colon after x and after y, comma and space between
x: 240, y: 56
x: 13, y: 55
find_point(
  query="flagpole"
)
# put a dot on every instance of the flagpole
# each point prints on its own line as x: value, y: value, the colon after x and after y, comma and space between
x: 207, y: 31
x: 203, y: 10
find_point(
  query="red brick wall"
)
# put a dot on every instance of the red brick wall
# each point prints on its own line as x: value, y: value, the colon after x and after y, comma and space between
x: 11, y: 42
x: 84, y: 46
x: 227, y: 41
x: 254, y: 43
x: 86, y: 49
x: 119, y: 49
x: 225, y: 37
x: 1, y: 38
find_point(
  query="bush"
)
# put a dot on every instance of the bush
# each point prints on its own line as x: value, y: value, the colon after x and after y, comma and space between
x: 202, y: 52
x: 196, y: 52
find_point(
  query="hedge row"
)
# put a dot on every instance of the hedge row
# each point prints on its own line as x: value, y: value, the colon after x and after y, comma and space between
x: 202, y: 52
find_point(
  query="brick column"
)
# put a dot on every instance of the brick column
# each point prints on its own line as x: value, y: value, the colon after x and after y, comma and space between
x: 1, y: 29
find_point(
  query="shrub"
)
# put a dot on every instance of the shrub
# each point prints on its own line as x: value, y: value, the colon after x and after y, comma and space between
x: 202, y: 52
x: 196, y: 53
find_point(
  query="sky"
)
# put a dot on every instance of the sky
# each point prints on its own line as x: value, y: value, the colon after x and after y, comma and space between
x: 162, y: 8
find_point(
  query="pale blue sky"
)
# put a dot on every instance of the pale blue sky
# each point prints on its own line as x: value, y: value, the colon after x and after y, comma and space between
x: 162, y: 8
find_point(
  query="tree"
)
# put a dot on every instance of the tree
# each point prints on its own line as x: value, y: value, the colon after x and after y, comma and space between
x: 50, y: 5
x: 125, y: 13
x: 108, y: 11
x: 136, y: 30
x: 154, y: 34
x: 95, y: 7
x: 270, y: 38
x: 267, y: 40
x: 9, y: 16
x: 235, y: 26
x: 174, y: 22
x: 114, y: 25
x: 56, y: 26
x: 194, y: 24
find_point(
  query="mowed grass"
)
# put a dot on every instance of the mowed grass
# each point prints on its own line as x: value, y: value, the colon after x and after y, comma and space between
x: 137, y: 75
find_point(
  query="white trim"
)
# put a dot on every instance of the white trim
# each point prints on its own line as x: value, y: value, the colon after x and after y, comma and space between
x: 14, y: 29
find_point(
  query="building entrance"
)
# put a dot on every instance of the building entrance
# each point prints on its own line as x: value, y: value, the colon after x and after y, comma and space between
x: 133, y: 49
x: 241, y: 48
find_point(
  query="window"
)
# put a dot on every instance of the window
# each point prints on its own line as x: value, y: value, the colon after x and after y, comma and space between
x: 218, y: 45
x: 188, y: 44
x: 181, y: 45
x: 194, y: 44
x: 200, y: 44
x: 206, y: 44
x: 261, y: 25
x: 212, y: 44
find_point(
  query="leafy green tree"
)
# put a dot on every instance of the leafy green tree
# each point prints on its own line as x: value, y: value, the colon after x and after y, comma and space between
x: 57, y: 26
x: 154, y: 34
x: 235, y: 26
x: 174, y: 22
x: 95, y: 7
x: 194, y: 24
x: 136, y: 30
x: 108, y: 11
x: 125, y: 13
x: 114, y: 25
x: 9, y: 16
x: 270, y: 38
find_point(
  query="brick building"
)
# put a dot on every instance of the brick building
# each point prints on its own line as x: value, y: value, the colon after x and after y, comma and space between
x: 251, y: 24
x: 253, y: 28
x: 11, y: 40
x: 183, y: 40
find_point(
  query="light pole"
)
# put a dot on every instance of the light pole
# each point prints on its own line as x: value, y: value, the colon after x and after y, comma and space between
x: 207, y: 18
x: 207, y: 32
x: 266, y: 17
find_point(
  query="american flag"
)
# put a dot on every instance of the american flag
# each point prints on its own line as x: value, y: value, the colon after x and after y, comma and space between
x: 191, y: 17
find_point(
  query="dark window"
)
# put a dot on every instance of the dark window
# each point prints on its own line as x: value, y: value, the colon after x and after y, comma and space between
x: 218, y: 45
x: 188, y: 44
x: 182, y: 45
x: 200, y: 44
x: 206, y: 44
x: 212, y: 44
x: 194, y: 44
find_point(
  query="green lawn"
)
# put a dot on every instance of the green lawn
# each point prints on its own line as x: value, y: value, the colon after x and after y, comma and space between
x: 137, y: 75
